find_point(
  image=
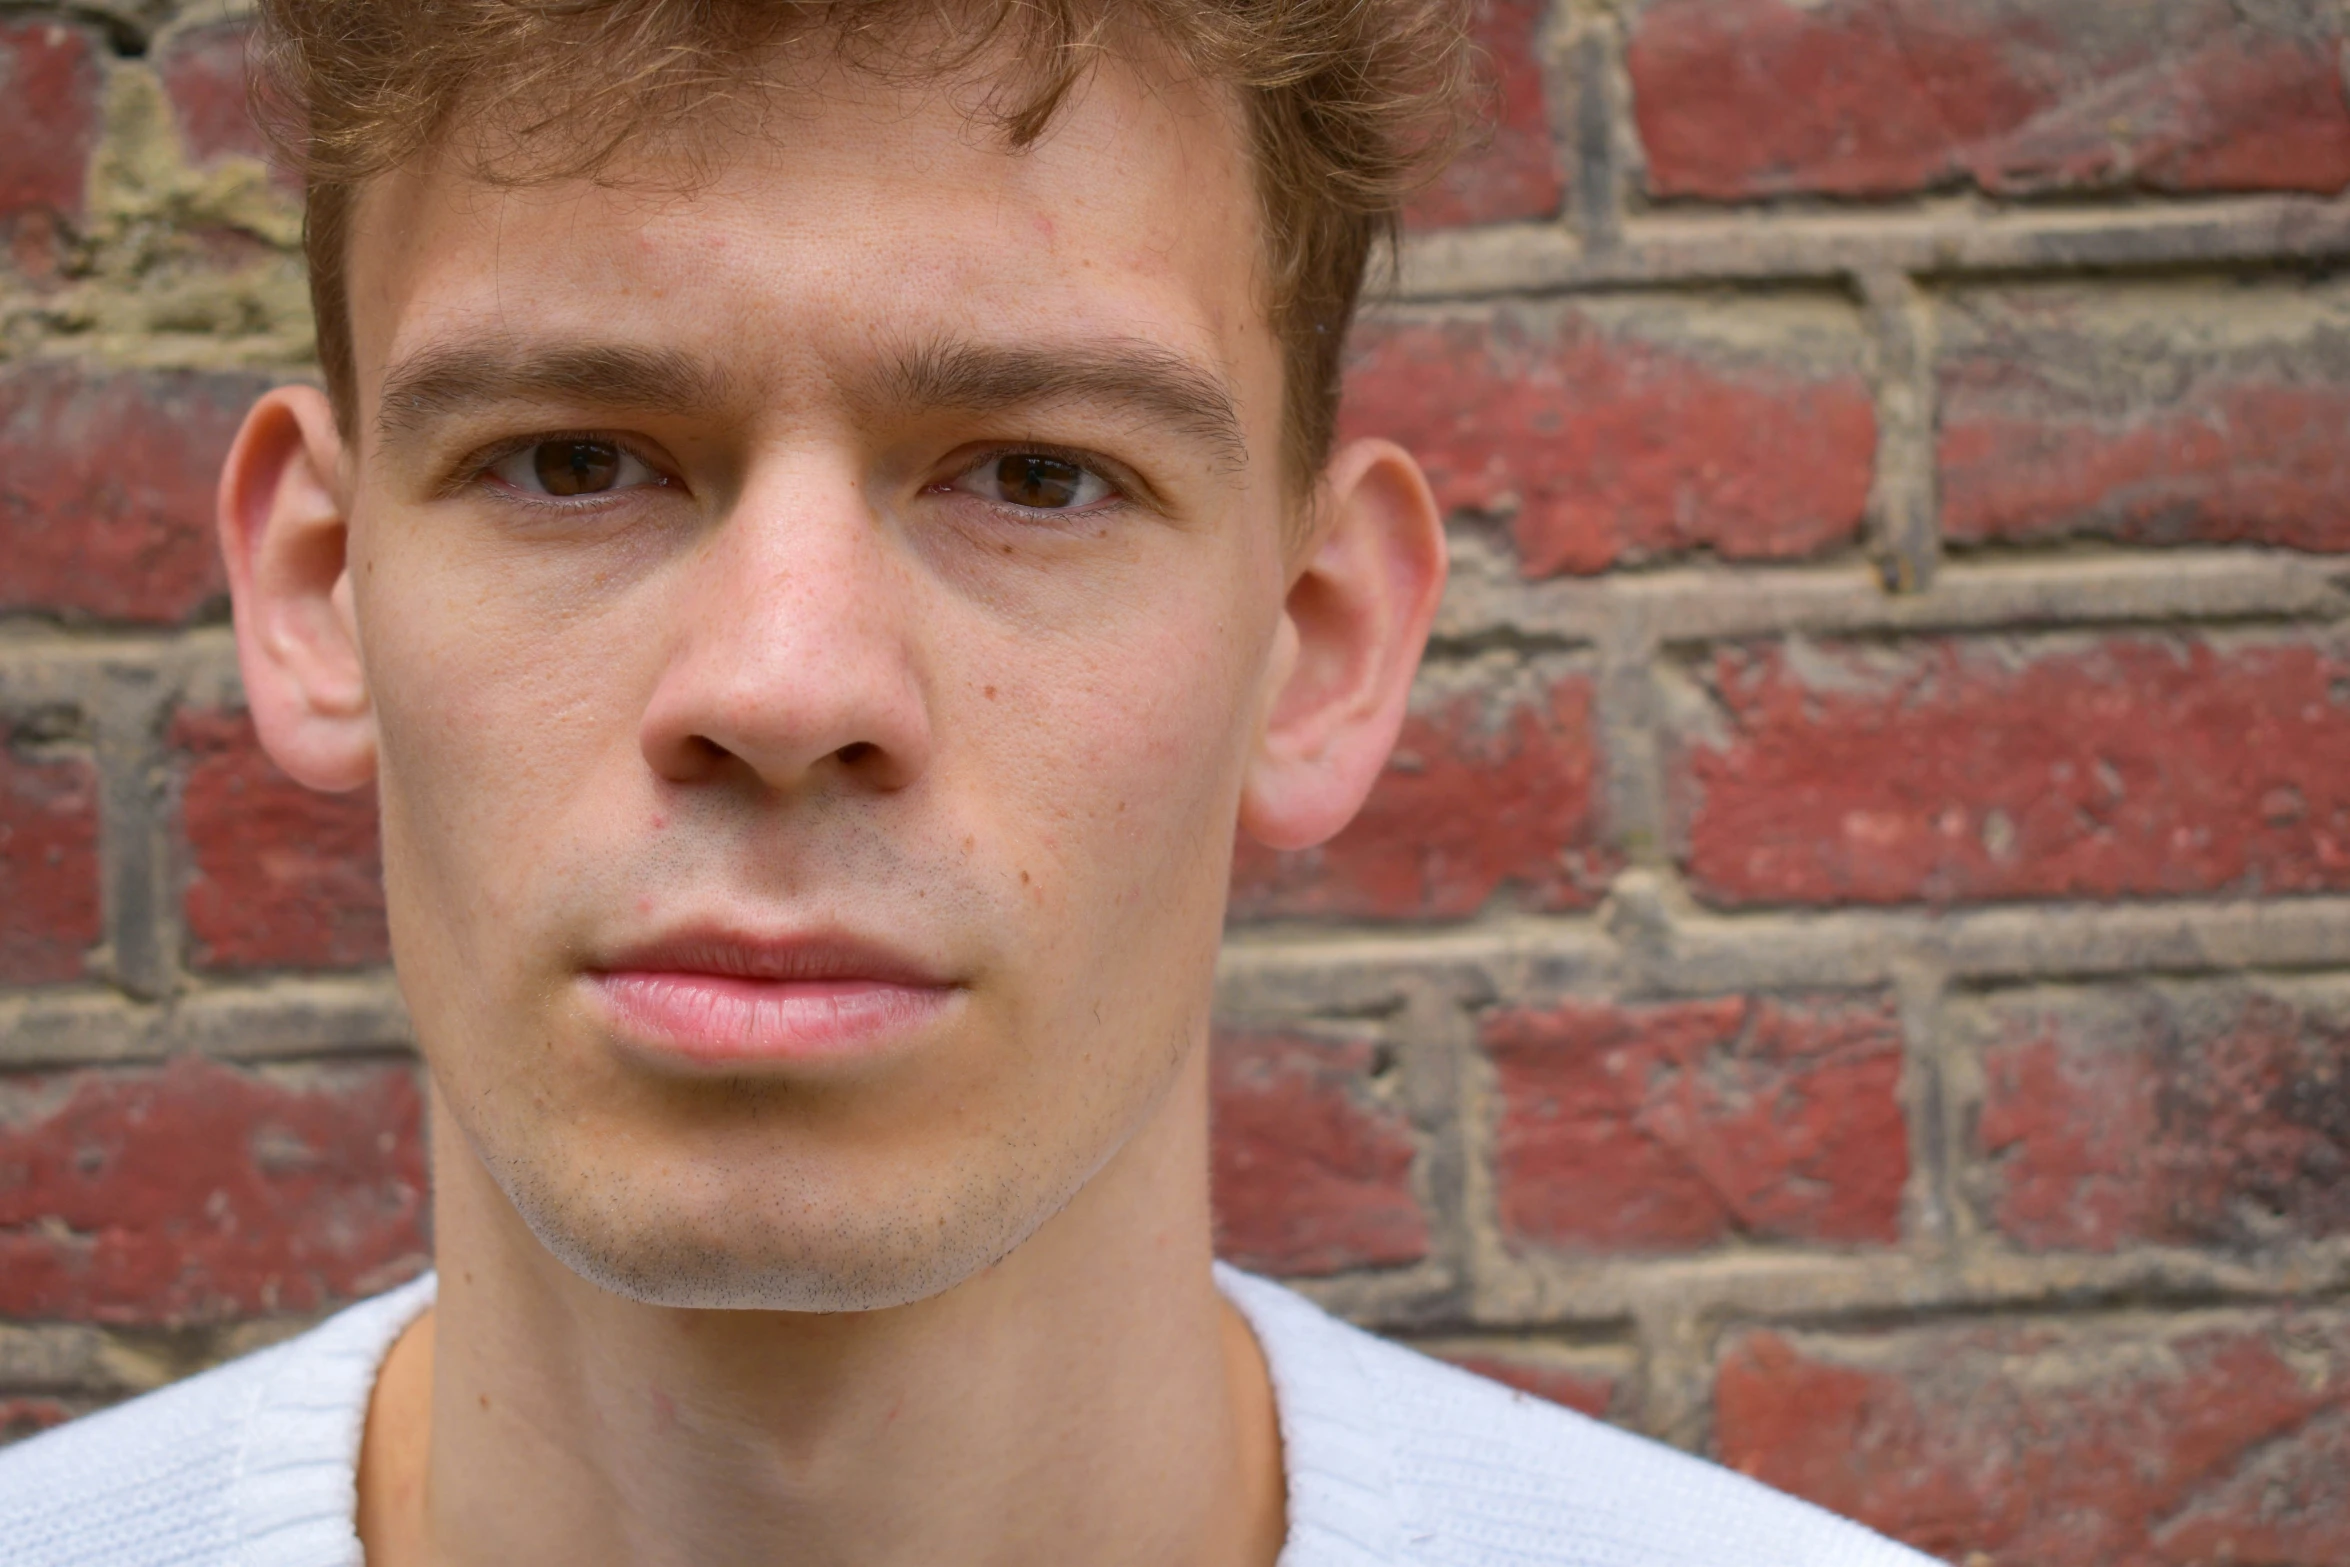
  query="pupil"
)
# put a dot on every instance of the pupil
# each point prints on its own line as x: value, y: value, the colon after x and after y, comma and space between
x: 576, y: 467
x: 1046, y: 483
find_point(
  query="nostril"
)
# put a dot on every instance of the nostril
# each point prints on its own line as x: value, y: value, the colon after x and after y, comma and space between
x: 857, y: 752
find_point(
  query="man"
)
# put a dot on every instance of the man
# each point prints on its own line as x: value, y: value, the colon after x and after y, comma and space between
x: 821, y: 524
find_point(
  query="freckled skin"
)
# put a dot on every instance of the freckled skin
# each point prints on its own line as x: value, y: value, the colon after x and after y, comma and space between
x: 943, y: 1299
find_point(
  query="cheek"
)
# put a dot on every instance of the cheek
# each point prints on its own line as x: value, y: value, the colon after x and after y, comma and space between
x: 492, y: 707
x: 1129, y: 768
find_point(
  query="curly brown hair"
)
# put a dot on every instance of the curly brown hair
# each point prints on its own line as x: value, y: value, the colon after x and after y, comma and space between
x: 1349, y: 103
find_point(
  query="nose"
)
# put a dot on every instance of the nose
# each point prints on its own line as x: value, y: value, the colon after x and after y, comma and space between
x: 792, y: 662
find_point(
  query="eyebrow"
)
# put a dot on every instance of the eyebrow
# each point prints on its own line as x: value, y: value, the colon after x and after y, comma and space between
x: 1154, y: 383
x: 461, y: 377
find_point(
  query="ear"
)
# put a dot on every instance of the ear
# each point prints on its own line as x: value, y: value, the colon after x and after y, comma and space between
x: 283, y: 529
x: 1355, y: 622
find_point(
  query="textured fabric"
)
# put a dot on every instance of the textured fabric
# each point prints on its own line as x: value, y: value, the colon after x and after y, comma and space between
x: 1391, y: 1459
x: 253, y: 1464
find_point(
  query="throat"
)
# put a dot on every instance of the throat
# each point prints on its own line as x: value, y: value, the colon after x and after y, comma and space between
x: 729, y: 1445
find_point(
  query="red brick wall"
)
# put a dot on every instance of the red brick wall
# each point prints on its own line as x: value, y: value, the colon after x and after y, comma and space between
x: 1849, y: 970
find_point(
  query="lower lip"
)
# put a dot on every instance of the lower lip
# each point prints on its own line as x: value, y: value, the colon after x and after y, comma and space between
x: 719, y: 1021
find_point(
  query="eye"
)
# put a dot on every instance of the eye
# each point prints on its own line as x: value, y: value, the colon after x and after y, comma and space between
x: 1036, y: 481
x: 574, y: 465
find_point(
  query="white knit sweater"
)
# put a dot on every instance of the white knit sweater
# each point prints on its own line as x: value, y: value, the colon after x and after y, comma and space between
x: 1390, y: 1457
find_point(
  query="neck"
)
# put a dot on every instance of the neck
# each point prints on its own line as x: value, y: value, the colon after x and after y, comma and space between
x: 1089, y: 1398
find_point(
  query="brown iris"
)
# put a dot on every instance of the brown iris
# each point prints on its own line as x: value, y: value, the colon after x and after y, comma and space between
x: 576, y: 467
x: 1046, y: 483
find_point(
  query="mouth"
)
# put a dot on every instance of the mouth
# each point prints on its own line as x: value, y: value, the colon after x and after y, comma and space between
x: 718, y: 1000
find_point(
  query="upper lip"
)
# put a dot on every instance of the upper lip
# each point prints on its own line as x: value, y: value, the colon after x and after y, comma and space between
x: 805, y: 956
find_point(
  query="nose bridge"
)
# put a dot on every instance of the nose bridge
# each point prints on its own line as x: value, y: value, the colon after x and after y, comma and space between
x: 791, y: 650
x: 787, y: 572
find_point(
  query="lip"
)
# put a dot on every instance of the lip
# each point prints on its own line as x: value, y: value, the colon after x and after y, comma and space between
x: 722, y: 1000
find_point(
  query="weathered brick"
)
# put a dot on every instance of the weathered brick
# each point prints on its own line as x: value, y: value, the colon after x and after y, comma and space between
x: 2136, y: 1442
x: 1489, y: 794
x: 30, y: 1415
x: 1579, y: 1383
x: 1947, y: 770
x: 106, y: 488
x: 1753, y: 98
x: 1312, y: 1167
x: 49, y: 889
x: 50, y: 85
x: 279, y: 876
x: 196, y: 1192
x: 2158, y: 415
x: 203, y: 73
x: 1517, y: 171
x: 1671, y: 1126
x: 2212, y: 1115
x: 1610, y: 436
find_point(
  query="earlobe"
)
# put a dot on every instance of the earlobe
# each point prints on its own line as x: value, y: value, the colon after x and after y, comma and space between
x: 1356, y: 620
x: 284, y: 534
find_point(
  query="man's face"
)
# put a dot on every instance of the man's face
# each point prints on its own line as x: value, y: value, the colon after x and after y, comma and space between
x: 816, y: 626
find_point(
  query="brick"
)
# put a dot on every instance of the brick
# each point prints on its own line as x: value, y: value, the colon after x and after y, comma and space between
x: 1671, y: 1126
x: 1312, y: 1168
x: 2123, y: 1443
x: 50, y: 86
x: 279, y: 876
x: 195, y: 1192
x: 25, y: 1416
x: 106, y: 489
x: 49, y: 889
x: 1949, y: 770
x: 1488, y: 795
x: 2161, y: 416
x: 1610, y: 437
x: 1578, y: 1385
x: 2197, y: 1115
x: 203, y: 74
x: 1738, y: 99
x: 1517, y: 171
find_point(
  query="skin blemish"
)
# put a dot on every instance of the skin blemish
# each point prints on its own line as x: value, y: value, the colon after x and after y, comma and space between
x: 1023, y: 878
x: 485, y: 1401
x: 991, y: 693
x: 664, y: 1411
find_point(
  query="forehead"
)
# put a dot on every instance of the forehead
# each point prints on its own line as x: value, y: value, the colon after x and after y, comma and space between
x: 858, y: 212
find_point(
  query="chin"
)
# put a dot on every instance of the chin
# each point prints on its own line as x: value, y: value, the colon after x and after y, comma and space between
x: 783, y: 1247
